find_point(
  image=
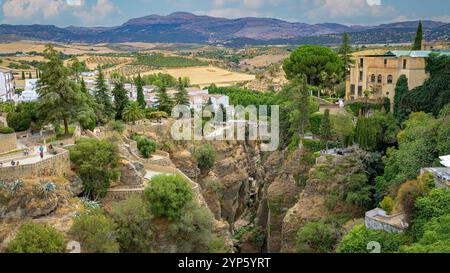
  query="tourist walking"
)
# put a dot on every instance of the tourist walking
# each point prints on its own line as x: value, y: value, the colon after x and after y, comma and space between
x: 41, y: 151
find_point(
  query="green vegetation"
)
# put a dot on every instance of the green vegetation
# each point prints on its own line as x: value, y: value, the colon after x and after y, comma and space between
x: 206, y: 157
x: 133, y: 112
x: 140, y: 92
x: 316, y: 237
x: 325, y: 129
x: 435, y: 239
x: 345, y: 51
x: 134, y: 227
x: 145, y: 146
x: 244, y: 97
x: 387, y: 204
x: 95, y: 232
x: 158, y: 79
x: 167, y: 196
x: 357, y: 240
x: 419, y: 38
x: 401, y: 90
x: 159, y: 60
x: 102, y: 96
x: 96, y: 162
x: 120, y: 99
x: 164, y: 101
x: 37, y: 238
x: 6, y: 130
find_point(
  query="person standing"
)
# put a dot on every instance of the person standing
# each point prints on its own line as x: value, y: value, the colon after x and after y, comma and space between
x: 41, y: 151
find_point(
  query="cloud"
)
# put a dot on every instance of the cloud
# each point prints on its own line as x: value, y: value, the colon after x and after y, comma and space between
x: 14, y: 10
x: 97, y: 13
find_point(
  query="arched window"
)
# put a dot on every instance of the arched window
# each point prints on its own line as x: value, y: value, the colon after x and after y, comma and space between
x: 380, y: 79
x: 373, y: 78
x: 390, y: 79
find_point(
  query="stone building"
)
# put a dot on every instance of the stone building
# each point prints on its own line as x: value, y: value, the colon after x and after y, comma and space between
x: 378, y: 72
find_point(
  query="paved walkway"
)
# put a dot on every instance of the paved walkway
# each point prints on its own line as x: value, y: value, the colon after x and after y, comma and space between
x: 34, y: 157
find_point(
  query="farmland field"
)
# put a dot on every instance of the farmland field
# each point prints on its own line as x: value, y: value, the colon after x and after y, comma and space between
x: 160, y: 60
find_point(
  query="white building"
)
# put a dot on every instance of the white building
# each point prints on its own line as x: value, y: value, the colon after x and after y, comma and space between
x: 7, y: 88
x: 29, y: 94
x: 198, y: 101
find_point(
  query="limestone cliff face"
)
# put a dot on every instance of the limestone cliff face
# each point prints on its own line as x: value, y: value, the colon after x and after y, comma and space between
x: 328, y: 174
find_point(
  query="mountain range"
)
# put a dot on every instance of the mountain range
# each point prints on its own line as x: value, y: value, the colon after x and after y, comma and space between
x: 183, y: 27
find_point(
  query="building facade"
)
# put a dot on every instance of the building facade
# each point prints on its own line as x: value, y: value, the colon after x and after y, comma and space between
x: 379, y: 73
x: 7, y: 88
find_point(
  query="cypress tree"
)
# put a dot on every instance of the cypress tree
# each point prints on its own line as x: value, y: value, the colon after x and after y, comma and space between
x: 345, y: 51
x: 120, y: 99
x: 401, y: 90
x: 140, y: 92
x: 182, y: 96
x: 101, y: 95
x: 325, y: 129
x: 419, y: 38
x: 23, y: 75
x: 163, y: 100
x: 29, y: 75
x: 83, y: 87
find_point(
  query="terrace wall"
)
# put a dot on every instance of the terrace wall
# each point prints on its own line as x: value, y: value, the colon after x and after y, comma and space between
x: 8, y: 142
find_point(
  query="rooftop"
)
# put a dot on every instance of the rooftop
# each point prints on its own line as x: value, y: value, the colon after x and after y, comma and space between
x: 416, y: 53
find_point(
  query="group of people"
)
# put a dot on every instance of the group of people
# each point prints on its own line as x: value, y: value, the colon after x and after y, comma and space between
x: 27, y: 152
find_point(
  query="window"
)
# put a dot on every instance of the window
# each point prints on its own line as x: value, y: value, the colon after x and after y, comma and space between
x: 361, y: 76
x: 352, y: 89
x: 361, y: 62
x: 373, y: 78
x: 380, y: 79
x: 360, y: 91
x: 404, y: 64
x: 385, y: 62
x: 390, y: 79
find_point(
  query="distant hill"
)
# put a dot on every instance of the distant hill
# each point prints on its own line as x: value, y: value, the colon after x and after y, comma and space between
x: 183, y: 27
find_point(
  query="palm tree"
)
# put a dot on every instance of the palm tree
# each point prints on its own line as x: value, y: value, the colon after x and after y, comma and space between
x: 133, y: 112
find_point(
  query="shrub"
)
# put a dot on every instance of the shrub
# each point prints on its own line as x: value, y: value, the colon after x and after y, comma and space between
x: 95, y: 232
x: 37, y: 238
x: 96, y: 161
x: 19, y: 121
x: 117, y: 125
x: 316, y: 237
x: 146, y: 146
x: 167, y: 195
x: 134, y: 225
x: 6, y: 130
x: 205, y: 156
x: 387, y: 204
x: 357, y: 240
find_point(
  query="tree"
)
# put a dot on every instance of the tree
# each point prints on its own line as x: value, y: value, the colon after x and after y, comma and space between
x: 23, y: 75
x: 311, y: 61
x: 140, y: 92
x: 83, y: 88
x: 387, y: 204
x: 120, y: 99
x: 95, y: 232
x: 206, y: 157
x: 182, y: 96
x: 145, y: 146
x: 89, y: 113
x: 168, y: 195
x: 164, y: 102
x: 77, y: 67
x: 19, y: 121
x: 29, y: 75
x: 401, y: 111
x: 102, y: 96
x: 325, y: 129
x: 134, y: 227
x: 357, y: 240
x: 436, y: 237
x: 133, y: 112
x: 366, y: 133
x: 58, y: 96
x: 37, y: 238
x: 419, y: 38
x: 96, y: 162
x: 345, y: 51
x: 315, y: 237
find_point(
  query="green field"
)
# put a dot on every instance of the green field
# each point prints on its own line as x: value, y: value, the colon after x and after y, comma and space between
x: 159, y: 60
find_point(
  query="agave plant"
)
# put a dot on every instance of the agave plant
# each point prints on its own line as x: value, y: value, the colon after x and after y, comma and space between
x: 49, y: 187
x: 2, y: 185
x: 16, y: 185
x: 89, y: 204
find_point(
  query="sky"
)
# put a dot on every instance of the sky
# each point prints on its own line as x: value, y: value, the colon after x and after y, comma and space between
x: 115, y: 12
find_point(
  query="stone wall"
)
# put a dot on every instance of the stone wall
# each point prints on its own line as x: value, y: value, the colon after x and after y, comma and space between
x: 8, y: 142
x: 58, y: 165
x: 376, y: 220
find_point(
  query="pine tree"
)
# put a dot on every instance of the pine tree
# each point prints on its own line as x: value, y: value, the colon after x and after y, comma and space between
x: 83, y: 87
x: 401, y: 90
x: 182, y: 96
x: 120, y: 99
x: 325, y: 129
x: 164, y: 102
x: 140, y: 92
x: 58, y: 97
x: 419, y: 38
x: 101, y: 95
x: 345, y: 51
x: 366, y: 133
